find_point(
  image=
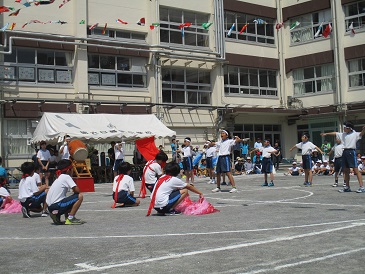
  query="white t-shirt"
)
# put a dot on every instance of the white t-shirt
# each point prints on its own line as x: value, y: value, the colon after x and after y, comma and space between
x: 166, y: 188
x: 306, y: 147
x: 37, y: 178
x: 59, y: 189
x: 151, y: 173
x: 361, y: 167
x: 257, y: 145
x: 337, y: 150
x: 186, y: 151
x: 349, y: 139
x: 125, y: 184
x: 27, y: 187
x: 225, y: 147
x: 65, y: 152
x: 119, y: 155
x: 44, y: 155
x: 326, y: 167
x: 266, y: 151
x: 294, y: 169
x: 4, y: 192
x: 210, y: 152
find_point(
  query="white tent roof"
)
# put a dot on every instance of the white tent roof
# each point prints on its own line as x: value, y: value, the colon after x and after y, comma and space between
x: 99, y: 127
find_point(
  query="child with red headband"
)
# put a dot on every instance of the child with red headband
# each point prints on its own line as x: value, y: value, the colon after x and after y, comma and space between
x: 31, y: 196
x: 58, y: 202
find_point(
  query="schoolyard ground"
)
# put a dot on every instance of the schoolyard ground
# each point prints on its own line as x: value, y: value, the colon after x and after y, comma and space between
x: 288, y: 228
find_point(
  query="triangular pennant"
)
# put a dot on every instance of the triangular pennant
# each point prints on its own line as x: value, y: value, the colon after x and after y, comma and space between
x: 207, y: 25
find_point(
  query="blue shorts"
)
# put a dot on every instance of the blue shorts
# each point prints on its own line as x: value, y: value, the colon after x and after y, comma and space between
x: 125, y: 198
x: 35, y: 201
x: 187, y: 163
x: 224, y: 164
x: 307, y: 162
x: 64, y: 206
x: 349, y: 158
x: 266, y: 165
x: 117, y: 164
x: 174, y: 196
x: 338, y: 164
x: 209, y: 161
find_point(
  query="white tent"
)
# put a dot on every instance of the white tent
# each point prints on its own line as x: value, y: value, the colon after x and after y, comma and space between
x: 99, y: 128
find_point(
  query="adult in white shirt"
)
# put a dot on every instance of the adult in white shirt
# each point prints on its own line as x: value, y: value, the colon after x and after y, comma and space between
x: 119, y: 156
x: 65, y: 153
x: 43, y: 157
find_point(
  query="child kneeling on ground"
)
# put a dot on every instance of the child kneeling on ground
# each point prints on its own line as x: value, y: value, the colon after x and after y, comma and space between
x: 31, y: 197
x: 170, y: 191
x: 58, y: 202
x: 123, y: 187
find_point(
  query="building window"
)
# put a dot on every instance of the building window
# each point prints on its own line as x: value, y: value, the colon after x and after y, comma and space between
x: 17, y: 135
x: 37, y: 66
x: 117, y: 34
x: 310, y: 26
x: 117, y: 71
x: 256, y: 33
x: 186, y: 86
x: 254, y: 131
x: 195, y: 35
x: 356, y: 73
x: 311, y: 80
x: 240, y: 81
x: 355, y: 13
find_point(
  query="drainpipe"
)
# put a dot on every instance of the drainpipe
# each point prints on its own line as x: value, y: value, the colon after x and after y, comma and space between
x: 282, y: 72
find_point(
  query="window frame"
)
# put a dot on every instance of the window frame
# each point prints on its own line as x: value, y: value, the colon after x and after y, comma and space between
x: 242, y: 89
x: 102, y: 77
x: 201, y: 92
x: 360, y: 73
x: 360, y: 24
x: 113, y: 34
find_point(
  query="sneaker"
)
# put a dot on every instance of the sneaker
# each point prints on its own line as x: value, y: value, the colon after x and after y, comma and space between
x: 210, y: 181
x: 265, y: 184
x: 44, y: 214
x: 305, y: 183
x: 335, y: 185
x: 308, y: 184
x: 216, y: 190
x: 233, y: 190
x: 271, y: 184
x: 174, y: 212
x: 344, y: 185
x: 73, y: 221
x: 360, y: 190
x: 345, y: 189
x: 224, y: 184
x: 25, y: 212
x: 55, y: 218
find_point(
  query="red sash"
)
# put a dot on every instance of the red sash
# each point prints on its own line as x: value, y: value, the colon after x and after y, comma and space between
x: 142, y: 191
x: 157, y: 186
x: 120, y: 178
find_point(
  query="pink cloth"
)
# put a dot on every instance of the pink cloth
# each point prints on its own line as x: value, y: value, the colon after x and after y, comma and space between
x: 200, y: 207
x: 11, y: 206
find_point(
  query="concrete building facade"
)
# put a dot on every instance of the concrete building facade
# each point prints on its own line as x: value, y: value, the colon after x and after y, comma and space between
x: 263, y: 68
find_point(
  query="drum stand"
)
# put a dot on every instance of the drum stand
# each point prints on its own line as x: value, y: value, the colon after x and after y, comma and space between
x: 81, y: 169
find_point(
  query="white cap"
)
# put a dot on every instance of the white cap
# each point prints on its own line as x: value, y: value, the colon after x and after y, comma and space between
x: 325, y: 161
x: 319, y: 161
x: 294, y: 163
x: 362, y: 157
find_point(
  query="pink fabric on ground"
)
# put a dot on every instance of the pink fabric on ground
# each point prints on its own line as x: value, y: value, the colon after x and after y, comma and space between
x: 200, y: 207
x: 11, y: 206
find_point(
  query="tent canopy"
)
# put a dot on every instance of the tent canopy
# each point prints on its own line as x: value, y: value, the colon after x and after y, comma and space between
x: 100, y: 128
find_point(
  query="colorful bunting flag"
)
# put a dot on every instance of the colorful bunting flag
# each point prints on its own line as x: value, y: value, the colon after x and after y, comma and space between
x: 243, y: 28
x: 259, y: 21
x: 93, y: 26
x: 154, y: 25
x: 351, y: 28
x: 64, y: 2
x: 4, y: 9
x: 121, y: 21
x: 15, y: 13
x: 82, y: 22
x: 279, y: 25
x: 319, y: 30
x: 327, y: 31
x: 12, y: 26
x: 141, y: 21
x: 294, y: 25
x: 231, y: 29
x: 4, y: 28
x: 104, y: 29
x: 207, y: 25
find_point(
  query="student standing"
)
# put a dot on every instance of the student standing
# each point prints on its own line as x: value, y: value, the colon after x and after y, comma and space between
x: 267, y: 166
x: 307, y: 147
x: 349, y: 137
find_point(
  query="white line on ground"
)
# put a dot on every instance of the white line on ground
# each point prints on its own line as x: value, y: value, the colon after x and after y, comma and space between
x: 194, y: 253
x: 181, y: 234
x: 279, y: 267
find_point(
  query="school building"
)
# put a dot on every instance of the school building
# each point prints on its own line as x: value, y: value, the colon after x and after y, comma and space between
x: 260, y: 68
